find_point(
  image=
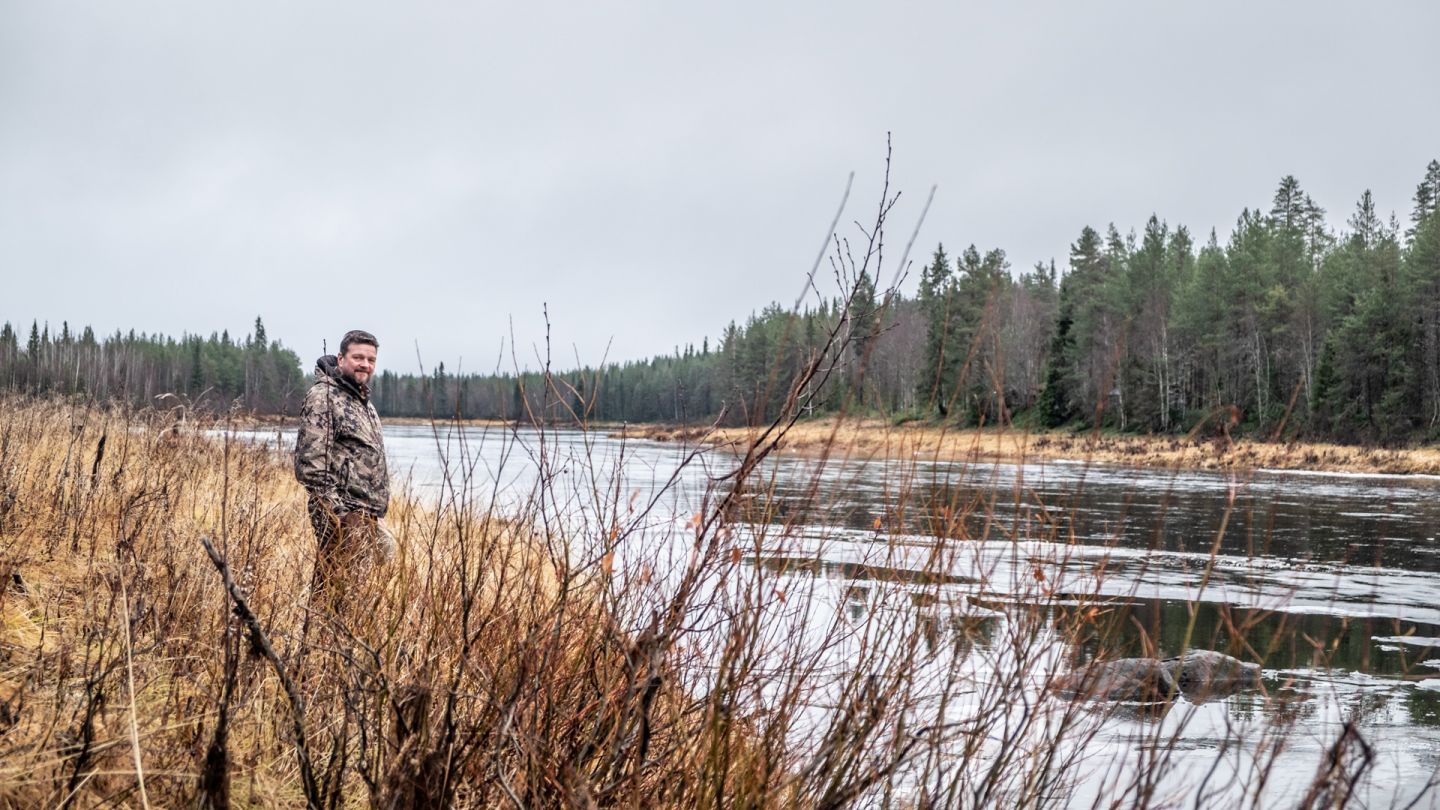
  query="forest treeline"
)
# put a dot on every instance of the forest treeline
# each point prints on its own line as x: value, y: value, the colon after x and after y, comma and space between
x: 1283, y: 328
x: 216, y: 373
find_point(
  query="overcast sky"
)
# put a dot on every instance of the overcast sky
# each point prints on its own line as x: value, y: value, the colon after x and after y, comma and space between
x: 436, y: 172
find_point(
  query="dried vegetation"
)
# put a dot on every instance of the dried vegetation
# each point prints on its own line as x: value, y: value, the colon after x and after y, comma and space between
x: 482, y: 667
x: 875, y: 438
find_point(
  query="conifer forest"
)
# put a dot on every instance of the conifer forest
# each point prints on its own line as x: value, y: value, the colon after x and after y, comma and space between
x: 1282, y: 328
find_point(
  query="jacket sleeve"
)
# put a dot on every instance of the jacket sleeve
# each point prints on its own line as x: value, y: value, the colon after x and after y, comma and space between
x: 313, y: 445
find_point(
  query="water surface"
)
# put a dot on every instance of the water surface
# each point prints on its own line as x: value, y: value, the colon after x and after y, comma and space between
x: 1330, y: 582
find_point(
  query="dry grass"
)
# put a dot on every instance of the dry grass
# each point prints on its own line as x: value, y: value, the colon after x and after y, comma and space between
x: 501, y: 660
x: 529, y: 659
x: 875, y: 438
x: 482, y: 666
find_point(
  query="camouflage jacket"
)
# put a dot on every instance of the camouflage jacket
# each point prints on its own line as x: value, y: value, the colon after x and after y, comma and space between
x: 340, y: 451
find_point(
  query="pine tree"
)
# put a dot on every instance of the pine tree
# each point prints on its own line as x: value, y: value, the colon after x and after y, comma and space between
x: 1055, y: 405
x: 9, y: 349
x: 935, y: 299
x: 197, y: 372
x: 863, y: 327
x: 1422, y: 272
x: 1097, y: 330
x: 980, y: 294
x: 1427, y: 198
x: 1365, y: 223
x: 1148, y: 286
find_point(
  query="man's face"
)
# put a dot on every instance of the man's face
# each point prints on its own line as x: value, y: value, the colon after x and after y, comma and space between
x: 358, y: 362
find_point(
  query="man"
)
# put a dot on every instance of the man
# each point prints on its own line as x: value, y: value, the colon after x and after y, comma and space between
x: 340, y: 460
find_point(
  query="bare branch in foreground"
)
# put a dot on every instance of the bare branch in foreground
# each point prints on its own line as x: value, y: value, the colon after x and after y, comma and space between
x: 314, y: 797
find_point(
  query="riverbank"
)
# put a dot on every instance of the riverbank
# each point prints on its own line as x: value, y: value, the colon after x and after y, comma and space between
x: 877, y: 439
x: 484, y: 664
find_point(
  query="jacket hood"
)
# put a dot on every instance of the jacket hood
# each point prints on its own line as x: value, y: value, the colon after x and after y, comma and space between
x: 327, y: 369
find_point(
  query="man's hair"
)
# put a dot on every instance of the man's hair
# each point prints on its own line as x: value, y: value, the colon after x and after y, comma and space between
x: 357, y: 336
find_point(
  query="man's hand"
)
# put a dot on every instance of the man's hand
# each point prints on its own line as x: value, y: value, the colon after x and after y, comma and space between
x: 357, y: 524
x: 385, y: 545
x: 367, y: 535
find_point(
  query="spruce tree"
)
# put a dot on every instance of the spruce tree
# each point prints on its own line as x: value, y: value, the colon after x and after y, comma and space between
x: 1055, y: 406
x: 1098, y: 321
x: 1422, y: 272
x: 934, y: 385
x: 1427, y: 198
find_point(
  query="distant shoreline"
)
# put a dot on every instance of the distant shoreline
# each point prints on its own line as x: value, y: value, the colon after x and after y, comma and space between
x: 876, y: 439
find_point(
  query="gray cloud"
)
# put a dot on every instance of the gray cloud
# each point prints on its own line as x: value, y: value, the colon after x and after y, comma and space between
x: 432, y: 171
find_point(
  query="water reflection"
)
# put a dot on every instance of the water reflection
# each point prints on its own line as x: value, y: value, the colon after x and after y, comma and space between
x: 1386, y: 522
x: 1099, y: 626
x: 854, y: 571
x: 1275, y: 639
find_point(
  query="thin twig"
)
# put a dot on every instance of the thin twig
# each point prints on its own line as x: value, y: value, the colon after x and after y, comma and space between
x: 130, y: 685
x: 314, y: 797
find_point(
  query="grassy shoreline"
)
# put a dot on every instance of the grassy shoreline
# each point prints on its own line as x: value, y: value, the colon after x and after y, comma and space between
x: 487, y: 662
x: 877, y: 438
x: 874, y: 438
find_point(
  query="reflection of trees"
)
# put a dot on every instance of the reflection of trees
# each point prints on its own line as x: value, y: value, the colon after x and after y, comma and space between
x: 1129, y: 628
x: 1423, y: 706
x: 1291, y: 701
x: 1274, y: 639
x: 1139, y: 513
x: 1247, y: 706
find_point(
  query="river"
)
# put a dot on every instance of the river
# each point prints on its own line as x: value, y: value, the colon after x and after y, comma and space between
x: 1330, y: 582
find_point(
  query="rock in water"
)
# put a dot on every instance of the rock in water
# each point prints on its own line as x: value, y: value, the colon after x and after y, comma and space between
x: 1143, y: 680
x: 1205, y: 675
x: 1199, y: 675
